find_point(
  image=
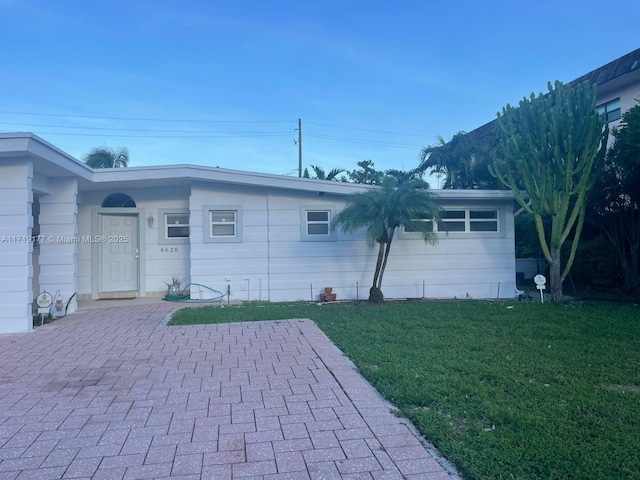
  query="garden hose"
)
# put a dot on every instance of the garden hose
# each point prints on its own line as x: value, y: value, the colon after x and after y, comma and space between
x: 185, y: 297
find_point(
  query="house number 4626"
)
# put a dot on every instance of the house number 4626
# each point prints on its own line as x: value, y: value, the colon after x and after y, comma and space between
x: 169, y: 249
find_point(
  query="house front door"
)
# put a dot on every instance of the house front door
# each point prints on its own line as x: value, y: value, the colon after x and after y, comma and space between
x: 119, y: 253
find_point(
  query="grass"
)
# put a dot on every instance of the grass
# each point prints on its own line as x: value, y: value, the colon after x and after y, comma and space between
x: 503, y: 390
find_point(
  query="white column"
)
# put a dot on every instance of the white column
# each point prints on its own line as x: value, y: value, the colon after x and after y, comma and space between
x: 59, y: 248
x: 16, y: 224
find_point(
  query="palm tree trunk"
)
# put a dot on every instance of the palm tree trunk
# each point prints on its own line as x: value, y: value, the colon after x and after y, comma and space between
x: 384, y: 261
x: 375, y: 295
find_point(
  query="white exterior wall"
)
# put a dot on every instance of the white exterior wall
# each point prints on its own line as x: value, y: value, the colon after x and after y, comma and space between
x: 16, y: 270
x: 300, y: 270
x: 58, y: 248
x: 241, y: 266
x: 162, y: 260
x: 158, y: 261
x: 273, y: 263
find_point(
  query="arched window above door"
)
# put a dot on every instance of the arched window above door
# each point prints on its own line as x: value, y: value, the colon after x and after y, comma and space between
x: 118, y: 200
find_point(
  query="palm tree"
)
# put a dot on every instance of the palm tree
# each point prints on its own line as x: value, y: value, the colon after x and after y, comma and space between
x: 463, y: 160
x: 383, y: 209
x: 321, y: 175
x: 107, y: 157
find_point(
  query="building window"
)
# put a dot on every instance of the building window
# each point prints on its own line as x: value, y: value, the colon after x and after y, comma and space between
x: 427, y: 220
x: 318, y: 222
x: 118, y: 200
x: 610, y: 110
x: 460, y: 221
x: 452, y: 221
x: 222, y: 223
x: 315, y: 223
x: 173, y: 226
x: 176, y: 225
x: 483, y: 220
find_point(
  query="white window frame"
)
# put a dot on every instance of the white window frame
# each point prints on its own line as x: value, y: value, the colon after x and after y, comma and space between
x: 163, y: 238
x: 208, y: 224
x: 457, y: 220
x: 484, y: 220
x: 425, y: 220
x: 465, y: 220
x: 305, y: 236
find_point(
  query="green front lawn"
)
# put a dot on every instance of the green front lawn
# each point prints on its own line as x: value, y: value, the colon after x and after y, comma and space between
x: 503, y: 389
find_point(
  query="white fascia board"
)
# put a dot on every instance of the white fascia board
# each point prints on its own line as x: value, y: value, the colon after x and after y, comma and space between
x: 52, y: 161
x: 473, y: 194
x: 48, y: 159
x: 171, y: 173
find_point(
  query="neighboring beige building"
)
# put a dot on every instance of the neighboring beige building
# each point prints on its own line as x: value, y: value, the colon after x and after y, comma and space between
x: 618, y: 86
x: 618, y: 90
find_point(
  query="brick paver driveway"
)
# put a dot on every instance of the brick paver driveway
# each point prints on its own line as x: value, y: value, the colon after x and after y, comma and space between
x: 115, y: 394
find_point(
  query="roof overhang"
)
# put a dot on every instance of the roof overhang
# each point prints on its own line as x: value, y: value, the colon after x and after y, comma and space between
x: 53, y: 162
x: 47, y: 159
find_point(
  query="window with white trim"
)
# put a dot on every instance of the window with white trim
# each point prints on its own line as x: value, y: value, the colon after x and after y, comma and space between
x: 483, y: 220
x: 315, y: 223
x: 462, y: 221
x: 176, y: 225
x: 452, y: 221
x: 222, y: 223
x: 318, y: 222
x: 173, y: 226
x: 427, y: 220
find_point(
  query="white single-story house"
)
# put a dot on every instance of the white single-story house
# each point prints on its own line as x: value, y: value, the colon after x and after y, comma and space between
x: 68, y: 229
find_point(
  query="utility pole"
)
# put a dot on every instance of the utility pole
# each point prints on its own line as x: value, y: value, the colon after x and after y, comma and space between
x: 299, y: 147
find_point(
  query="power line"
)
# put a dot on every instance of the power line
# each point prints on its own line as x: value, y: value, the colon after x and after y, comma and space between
x: 144, y: 119
x: 141, y: 119
x: 132, y: 129
x: 373, y: 131
x: 362, y: 141
x: 159, y: 136
x: 177, y: 134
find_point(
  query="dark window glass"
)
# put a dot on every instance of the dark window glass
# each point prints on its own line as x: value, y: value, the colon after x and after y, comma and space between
x: 318, y: 229
x: 317, y: 216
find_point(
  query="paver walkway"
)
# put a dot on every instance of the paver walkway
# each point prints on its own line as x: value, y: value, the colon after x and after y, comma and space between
x: 115, y: 394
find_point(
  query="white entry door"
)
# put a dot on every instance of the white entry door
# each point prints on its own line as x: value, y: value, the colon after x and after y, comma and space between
x: 119, y: 253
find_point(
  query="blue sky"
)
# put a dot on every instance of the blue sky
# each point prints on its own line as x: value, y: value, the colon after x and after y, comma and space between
x: 223, y: 83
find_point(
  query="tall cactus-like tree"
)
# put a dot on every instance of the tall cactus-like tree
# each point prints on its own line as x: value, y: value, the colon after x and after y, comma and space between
x: 549, y: 145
